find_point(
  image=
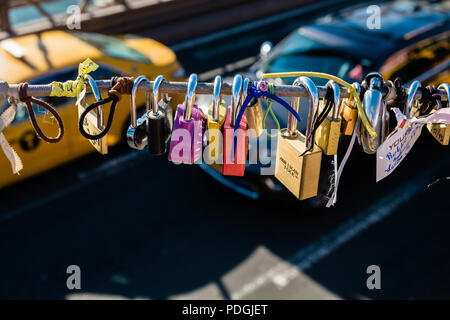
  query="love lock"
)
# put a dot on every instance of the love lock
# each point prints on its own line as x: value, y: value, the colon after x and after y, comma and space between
x: 234, y: 160
x: 137, y: 131
x: 297, y: 168
x: 188, y: 129
x: 329, y: 131
x: 440, y: 131
x: 159, y: 121
x: 377, y: 113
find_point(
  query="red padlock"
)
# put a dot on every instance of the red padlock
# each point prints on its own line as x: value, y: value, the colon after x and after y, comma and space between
x: 234, y: 164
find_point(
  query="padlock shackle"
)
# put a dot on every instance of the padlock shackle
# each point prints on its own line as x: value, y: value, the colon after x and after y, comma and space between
x: 217, y: 98
x: 357, y: 87
x: 336, y: 98
x: 190, y: 96
x: 244, y: 93
x: 98, y: 97
x: 244, y: 89
x: 313, y: 93
x: 446, y: 88
x: 133, y: 99
x: 94, y: 87
x: 411, y: 99
x: 236, y: 92
x: 158, y: 81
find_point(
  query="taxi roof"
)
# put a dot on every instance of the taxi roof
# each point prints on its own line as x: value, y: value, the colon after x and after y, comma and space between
x: 44, y: 52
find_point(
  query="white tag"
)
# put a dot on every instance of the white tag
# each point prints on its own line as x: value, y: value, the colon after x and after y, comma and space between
x: 5, y: 120
x: 398, y: 144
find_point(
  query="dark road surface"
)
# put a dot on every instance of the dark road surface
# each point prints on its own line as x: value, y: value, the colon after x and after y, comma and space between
x: 141, y: 227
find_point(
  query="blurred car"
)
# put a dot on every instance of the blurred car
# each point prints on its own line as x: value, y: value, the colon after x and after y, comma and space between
x: 54, y: 56
x: 413, y: 38
x: 412, y: 43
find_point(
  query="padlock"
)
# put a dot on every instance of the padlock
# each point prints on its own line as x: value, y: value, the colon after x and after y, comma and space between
x: 298, y: 157
x: 216, y: 118
x: 159, y: 123
x: 376, y: 111
x: 254, y: 113
x: 349, y: 114
x: 412, y: 107
x: 329, y: 131
x: 137, y: 131
x: 93, y: 122
x: 188, y: 129
x: 234, y: 160
x: 441, y: 131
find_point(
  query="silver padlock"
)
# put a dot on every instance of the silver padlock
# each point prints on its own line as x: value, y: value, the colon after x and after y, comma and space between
x: 159, y: 120
x: 137, y: 131
x: 376, y: 111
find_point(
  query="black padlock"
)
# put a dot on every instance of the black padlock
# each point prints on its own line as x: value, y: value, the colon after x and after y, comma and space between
x: 159, y: 121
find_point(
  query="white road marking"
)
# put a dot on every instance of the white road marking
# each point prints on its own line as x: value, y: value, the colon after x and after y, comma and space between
x: 251, y: 25
x: 282, y: 274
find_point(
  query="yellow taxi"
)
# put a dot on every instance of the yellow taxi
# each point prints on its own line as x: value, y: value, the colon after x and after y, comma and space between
x: 54, y: 56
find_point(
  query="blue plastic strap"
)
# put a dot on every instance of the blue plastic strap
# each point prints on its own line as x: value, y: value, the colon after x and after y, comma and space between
x: 255, y: 93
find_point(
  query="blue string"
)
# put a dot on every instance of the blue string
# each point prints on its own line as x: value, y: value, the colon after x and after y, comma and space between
x: 255, y: 93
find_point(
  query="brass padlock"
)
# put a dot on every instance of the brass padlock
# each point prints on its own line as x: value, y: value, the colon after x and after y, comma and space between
x: 441, y: 131
x: 254, y: 113
x: 93, y: 122
x: 329, y: 131
x: 349, y: 113
x: 298, y: 158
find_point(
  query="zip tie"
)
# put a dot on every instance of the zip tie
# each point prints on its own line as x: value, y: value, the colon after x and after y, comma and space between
x: 365, y: 121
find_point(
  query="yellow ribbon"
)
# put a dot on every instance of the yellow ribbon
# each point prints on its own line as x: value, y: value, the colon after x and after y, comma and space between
x: 73, y: 88
x: 365, y: 121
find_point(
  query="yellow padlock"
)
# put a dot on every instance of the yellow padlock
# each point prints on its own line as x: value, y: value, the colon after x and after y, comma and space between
x: 215, y: 119
x: 349, y: 113
x: 298, y: 158
x: 329, y: 131
x: 441, y: 131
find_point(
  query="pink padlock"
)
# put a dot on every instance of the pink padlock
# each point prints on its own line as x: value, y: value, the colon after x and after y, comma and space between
x: 189, y: 126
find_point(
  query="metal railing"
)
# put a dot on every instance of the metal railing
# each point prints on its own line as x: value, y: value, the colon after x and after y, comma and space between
x: 10, y: 90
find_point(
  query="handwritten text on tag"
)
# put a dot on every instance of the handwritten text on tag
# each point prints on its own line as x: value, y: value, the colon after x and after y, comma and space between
x: 398, y: 144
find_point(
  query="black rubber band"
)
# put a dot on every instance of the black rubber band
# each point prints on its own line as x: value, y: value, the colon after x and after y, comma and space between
x: 329, y: 97
x: 113, y: 99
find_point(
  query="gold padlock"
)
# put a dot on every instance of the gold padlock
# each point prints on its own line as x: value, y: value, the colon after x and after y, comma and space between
x: 329, y: 131
x: 441, y: 131
x: 215, y: 118
x: 298, y: 158
x: 93, y: 122
x: 254, y: 114
x: 349, y: 113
